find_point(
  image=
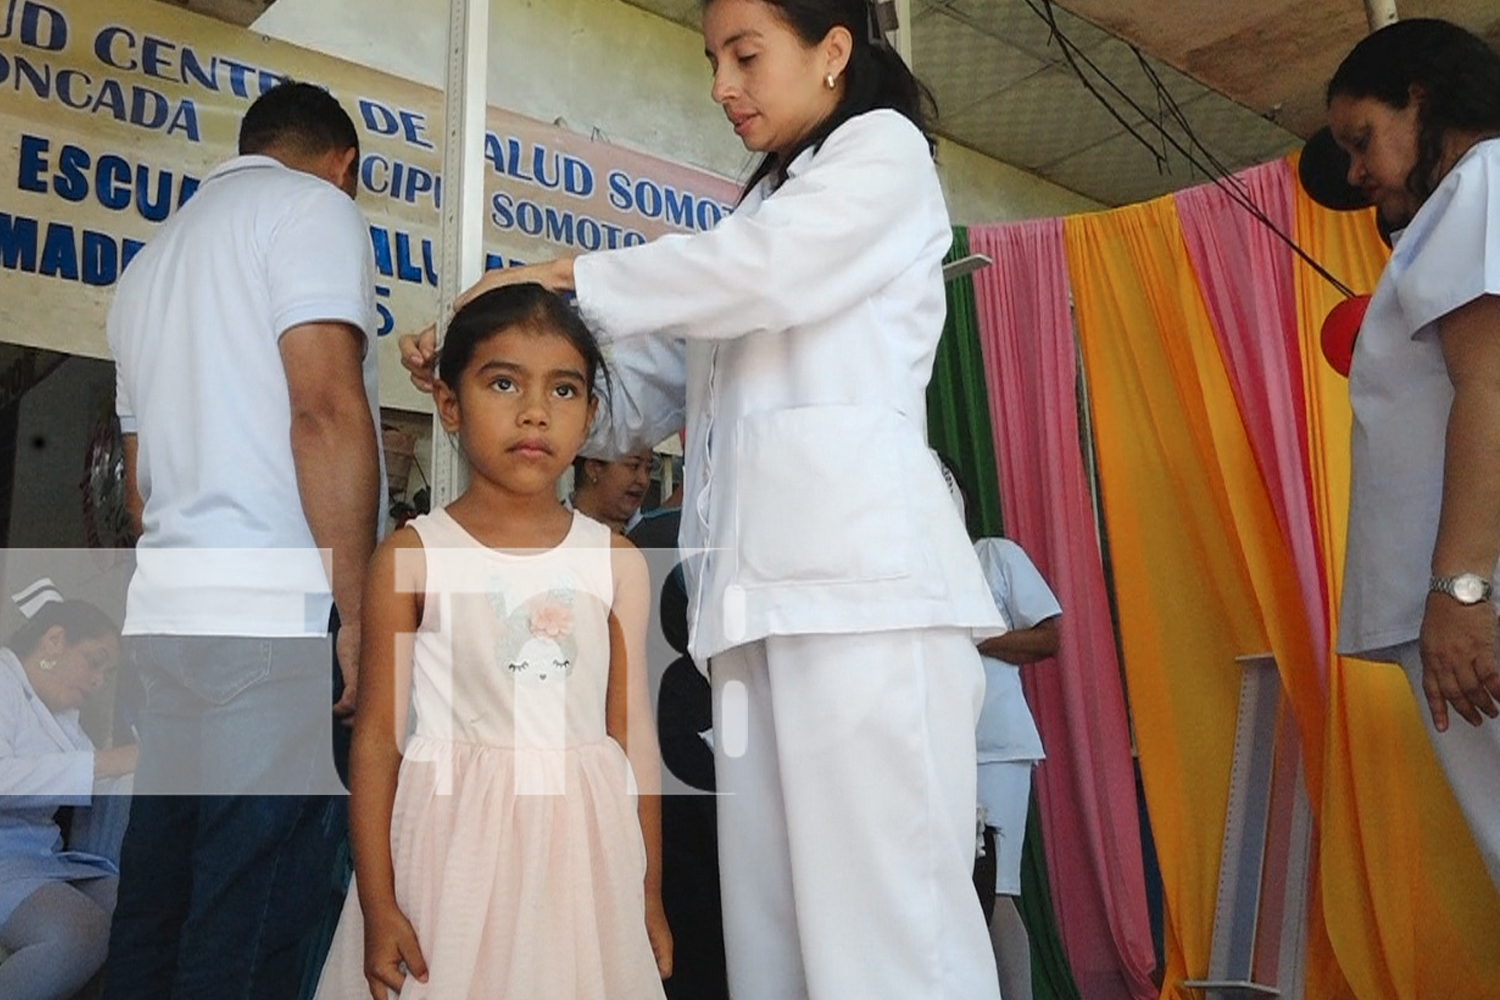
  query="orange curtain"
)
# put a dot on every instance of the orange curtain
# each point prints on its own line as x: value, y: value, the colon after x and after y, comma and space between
x: 1408, y: 907
x: 1202, y: 573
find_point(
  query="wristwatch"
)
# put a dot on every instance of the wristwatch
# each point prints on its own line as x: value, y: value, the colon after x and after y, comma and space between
x: 1465, y: 588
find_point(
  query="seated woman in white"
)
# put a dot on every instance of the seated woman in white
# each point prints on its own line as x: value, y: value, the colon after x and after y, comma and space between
x: 55, y: 904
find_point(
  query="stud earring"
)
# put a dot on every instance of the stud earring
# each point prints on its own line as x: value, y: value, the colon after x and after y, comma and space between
x: 46, y: 664
x: 594, y: 480
x: 830, y: 81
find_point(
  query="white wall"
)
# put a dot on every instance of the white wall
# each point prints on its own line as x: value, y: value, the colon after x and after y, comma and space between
x: 981, y: 189
x: 638, y: 79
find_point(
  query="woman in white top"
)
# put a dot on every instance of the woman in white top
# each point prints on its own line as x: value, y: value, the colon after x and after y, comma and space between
x: 1416, y: 105
x: 837, y: 597
x: 611, y: 491
x: 55, y: 904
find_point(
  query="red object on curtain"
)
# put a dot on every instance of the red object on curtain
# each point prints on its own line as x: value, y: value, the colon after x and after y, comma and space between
x: 1086, y: 787
x: 1341, y: 329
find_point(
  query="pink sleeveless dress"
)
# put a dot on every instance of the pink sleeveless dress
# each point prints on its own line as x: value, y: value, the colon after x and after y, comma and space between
x: 517, y: 848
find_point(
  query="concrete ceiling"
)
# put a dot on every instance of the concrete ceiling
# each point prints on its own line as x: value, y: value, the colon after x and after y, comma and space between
x: 240, y: 12
x: 1005, y: 86
x: 1246, y: 78
x: 1233, y: 84
x: 1274, y: 56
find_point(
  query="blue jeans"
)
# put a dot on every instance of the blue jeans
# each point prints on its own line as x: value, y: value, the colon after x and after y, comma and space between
x: 226, y: 861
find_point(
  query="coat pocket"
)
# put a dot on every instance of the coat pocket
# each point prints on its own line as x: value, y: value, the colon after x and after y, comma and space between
x: 821, y: 496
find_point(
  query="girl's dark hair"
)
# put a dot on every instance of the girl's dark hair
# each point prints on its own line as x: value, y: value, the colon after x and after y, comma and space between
x: 80, y: 621
x: 1458, y: 74
x: 876, y: 77
x: 529, y: 306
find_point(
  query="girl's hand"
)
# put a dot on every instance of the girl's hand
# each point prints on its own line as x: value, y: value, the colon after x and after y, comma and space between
x: 419, y: 350
x: 391, y: 952
x: 659, y: 934
x: 1458, y: 645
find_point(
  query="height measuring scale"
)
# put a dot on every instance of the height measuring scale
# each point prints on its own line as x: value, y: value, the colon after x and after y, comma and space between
x: 461, y: 226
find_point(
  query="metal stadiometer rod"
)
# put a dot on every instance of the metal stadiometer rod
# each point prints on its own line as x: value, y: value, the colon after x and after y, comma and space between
x: 902, y: 41
x: 461, y: 231
x: 1380, y: 13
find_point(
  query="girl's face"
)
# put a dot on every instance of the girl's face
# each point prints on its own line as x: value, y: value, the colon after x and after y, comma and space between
x: 771, y: 84
x: 521, y: 409
x: 78, y: 668
x: 1382, y: 145
x: 621, y: 485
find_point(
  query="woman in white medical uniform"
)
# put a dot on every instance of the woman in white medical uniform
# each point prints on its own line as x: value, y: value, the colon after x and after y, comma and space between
x: 55, y: 904
x: 1416, y: 105
x: 837, y: 598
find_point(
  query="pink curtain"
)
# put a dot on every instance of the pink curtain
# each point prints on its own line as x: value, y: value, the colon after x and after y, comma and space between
x: 1245, y: 274
x: 1086, y: 787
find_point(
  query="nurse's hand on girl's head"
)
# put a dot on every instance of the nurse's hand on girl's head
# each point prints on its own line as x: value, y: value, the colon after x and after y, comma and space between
x: 419, y: 350
x: 418, y: 357
x: 555, y: 275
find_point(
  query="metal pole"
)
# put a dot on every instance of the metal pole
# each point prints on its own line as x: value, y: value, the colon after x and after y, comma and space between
x: 902, y: 41
x: 461, y: 229
x: 1380, y: 13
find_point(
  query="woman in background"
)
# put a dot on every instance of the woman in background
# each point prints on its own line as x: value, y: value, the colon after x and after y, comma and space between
x: 55, y: 904
x: 611, y: 492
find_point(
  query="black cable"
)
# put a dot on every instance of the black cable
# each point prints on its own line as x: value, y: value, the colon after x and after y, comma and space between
x: 1219, y: 174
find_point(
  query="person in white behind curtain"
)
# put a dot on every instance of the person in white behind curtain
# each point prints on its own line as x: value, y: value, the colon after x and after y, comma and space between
x: 837, y: 592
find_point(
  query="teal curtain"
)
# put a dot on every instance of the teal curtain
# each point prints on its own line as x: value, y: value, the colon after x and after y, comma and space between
x: 958, y: 426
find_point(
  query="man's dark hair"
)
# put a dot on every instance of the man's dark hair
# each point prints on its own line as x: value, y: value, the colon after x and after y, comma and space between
x: 297, y: 117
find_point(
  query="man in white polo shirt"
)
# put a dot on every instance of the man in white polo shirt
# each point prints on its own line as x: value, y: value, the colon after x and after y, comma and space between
x: 243, y: 338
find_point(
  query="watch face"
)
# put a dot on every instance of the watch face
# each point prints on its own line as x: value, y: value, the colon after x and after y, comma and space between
x: 1469, y: 588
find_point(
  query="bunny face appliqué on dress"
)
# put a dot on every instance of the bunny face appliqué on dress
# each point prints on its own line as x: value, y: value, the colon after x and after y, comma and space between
x: 537, y: 644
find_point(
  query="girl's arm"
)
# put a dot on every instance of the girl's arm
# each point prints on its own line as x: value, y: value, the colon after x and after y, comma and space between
x: 628, y: 720
x: 390, y: 614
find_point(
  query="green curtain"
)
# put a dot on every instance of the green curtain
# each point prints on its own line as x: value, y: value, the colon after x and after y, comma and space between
x: 958, y: 425
x: 958, y: 414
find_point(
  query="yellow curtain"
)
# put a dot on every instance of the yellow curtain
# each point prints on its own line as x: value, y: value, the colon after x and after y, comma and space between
x: 1408, y: 907
x: 1200, y: 567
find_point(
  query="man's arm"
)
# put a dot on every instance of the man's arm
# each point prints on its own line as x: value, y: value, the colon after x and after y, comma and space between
x: 338, y: 468
x: 135, y: 507
x: 1024, y: 645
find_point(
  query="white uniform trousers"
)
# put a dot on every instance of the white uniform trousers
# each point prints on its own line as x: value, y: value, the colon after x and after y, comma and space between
x: 846, y: 775
x: 1471, y: 759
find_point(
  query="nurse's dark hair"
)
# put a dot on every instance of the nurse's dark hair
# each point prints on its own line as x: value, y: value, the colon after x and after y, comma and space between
x: 79, y: 620
x: 528, y: 306
x: 300, y: 117
x: 876, y: 77
x: 1452, y: 73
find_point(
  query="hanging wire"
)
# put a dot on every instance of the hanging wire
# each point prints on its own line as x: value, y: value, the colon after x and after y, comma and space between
x: 1216, y: 172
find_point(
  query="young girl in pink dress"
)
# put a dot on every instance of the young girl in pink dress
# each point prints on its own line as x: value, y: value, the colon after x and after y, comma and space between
x: 501, y: 849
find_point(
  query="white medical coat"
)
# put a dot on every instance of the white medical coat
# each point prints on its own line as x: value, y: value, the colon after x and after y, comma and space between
x: 796, y: 341
x: 46, y: 762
